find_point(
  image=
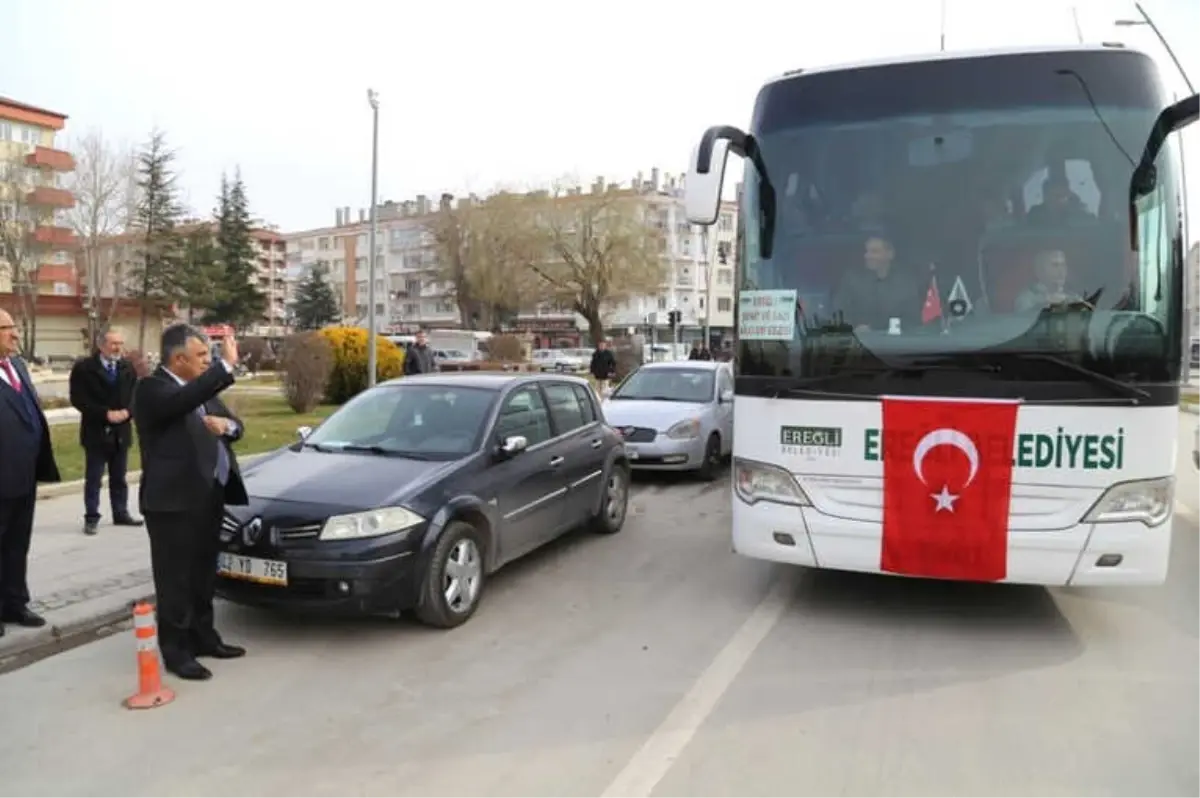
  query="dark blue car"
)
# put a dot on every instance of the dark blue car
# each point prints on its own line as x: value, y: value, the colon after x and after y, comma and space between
x: 415, y: 491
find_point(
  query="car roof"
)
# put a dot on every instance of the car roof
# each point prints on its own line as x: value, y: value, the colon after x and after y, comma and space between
x: 711, y: 365
x: 486, y: 380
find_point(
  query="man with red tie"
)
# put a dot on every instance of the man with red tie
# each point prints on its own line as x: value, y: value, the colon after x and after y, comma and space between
x: 25, y: 460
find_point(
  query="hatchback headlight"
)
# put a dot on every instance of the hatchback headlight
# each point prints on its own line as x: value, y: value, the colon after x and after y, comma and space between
x: 759, y: 482
x: 685, y: 430
x: 1145, y: 500
x: 369, y: 524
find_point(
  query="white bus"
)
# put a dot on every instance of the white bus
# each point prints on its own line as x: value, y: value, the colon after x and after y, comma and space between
x: 959, y: 314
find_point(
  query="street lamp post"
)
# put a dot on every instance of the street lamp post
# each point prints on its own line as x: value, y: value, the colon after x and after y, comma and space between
x: 372, y: 353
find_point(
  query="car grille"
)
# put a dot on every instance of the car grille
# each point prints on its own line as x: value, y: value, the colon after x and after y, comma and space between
x: 229, y: 527
x: 306, y: 532
x: 639, y: 434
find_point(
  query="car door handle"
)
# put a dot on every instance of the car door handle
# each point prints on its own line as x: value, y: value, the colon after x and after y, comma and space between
x: 596, y: 444
x: 556, y: 461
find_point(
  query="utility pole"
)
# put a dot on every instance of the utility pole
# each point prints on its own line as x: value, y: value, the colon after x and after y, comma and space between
x: 372, y: 348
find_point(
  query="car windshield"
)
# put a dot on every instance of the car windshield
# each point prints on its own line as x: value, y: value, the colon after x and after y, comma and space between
x: 667, y: 385
x: 982, y: 228
x: 435, y: 422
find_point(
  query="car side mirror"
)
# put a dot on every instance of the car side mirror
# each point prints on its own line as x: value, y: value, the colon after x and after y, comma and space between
x: 726, y: 397
x: 512, y: 446
x: 303, y: 432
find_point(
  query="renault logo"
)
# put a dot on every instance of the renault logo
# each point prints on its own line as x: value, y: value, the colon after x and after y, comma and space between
x: 251, y: 531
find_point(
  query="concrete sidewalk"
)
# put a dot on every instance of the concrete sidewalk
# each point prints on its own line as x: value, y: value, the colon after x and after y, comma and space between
x: 83, y: 585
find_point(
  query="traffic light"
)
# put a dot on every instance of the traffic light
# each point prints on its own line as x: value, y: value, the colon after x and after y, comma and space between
x: 673, y: 318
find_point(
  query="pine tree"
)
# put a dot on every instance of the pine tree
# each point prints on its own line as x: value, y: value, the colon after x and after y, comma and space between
x: 155, y: 274
x: 241, y: 302
x: 315, y: 304
x: 202, y: 281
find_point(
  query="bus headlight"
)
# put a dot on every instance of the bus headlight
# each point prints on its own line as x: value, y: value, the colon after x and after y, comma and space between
x: 760, y: 482
x: 1145, y: 500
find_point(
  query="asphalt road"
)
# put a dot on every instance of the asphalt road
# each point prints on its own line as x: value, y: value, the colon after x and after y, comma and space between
x: 655, y: 662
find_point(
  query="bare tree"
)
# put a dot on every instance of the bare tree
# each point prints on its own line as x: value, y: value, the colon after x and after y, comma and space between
x: 28, y: 235
x: 602, y: 248
x: 483, y: 251
x: 106, y: 197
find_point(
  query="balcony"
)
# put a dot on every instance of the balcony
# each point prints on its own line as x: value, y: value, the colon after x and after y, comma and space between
x: 57, y: 273
x: 54, y: 237
x: 49, y: 158
x: 50, y: 197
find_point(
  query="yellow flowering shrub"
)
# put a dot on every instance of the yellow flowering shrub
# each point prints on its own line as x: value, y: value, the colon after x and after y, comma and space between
x: 349, y: 374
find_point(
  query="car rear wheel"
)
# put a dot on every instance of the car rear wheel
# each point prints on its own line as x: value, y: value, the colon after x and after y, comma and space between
x: 614, y: 504
x: 454, y: 578
x: 712, y: 459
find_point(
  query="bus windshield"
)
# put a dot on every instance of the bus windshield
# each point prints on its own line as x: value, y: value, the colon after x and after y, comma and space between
x: 962, y: 226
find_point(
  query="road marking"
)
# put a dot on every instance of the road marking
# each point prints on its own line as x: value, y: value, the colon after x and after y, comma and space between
x: 1185, y: 511
x: 656, y: 756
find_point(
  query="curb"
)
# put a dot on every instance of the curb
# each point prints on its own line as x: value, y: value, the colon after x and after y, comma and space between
x: 55, y: 490
x: 55, y: 639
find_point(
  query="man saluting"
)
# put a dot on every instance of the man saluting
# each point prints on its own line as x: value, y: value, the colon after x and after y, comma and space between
x: 189, y: 474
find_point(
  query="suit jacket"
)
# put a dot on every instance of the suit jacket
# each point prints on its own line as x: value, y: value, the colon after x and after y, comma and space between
x: 179, y: 454
x: 93, y: 396
x: 26, y: 456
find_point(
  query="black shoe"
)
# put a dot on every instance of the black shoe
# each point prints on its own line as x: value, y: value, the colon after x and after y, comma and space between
x: 189, y: 669
x: 221, y: 651
x: 24, y: 617
x: 91, y: 527
x: 125, y: 519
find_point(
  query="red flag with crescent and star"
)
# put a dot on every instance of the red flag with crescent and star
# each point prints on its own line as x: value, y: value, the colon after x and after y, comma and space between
x: 947, y: 486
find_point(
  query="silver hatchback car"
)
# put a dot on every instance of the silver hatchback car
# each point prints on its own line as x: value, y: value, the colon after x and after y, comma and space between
x: 675, y: 416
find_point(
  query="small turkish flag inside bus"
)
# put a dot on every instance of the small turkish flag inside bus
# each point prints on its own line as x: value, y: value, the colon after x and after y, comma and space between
x: 947, y: 486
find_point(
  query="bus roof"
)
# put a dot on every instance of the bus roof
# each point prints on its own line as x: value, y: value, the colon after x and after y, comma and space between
x: 913, y: 58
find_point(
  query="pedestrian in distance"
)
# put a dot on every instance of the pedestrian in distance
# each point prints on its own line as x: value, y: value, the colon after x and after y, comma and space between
x: 603, y: 366
x: 26, y: 458
x: 189, y: 474
x: 418, y: 358
x: 101, y: 388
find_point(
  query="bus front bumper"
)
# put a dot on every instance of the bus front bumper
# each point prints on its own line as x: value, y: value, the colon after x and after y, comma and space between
x: 1082, y: 555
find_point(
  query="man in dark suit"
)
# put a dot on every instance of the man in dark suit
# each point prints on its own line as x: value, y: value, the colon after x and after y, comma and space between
x: 25, y: 460
x: 189, y: 474
x: 102, y: 391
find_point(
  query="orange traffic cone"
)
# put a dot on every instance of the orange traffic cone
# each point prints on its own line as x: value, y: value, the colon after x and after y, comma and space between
x: 151, y: 692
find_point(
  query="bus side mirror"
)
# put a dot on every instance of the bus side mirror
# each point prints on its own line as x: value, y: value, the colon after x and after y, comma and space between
x: 705, y: 178
x: 1145, y: 177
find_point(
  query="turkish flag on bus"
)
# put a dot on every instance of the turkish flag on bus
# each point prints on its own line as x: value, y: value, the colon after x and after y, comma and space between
x: 947, y: 485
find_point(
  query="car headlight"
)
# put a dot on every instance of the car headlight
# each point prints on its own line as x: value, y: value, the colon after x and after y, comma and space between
x: 369, y: 524
x: 1145, y: 500
x: 684, y: 430
x: 758, y: 482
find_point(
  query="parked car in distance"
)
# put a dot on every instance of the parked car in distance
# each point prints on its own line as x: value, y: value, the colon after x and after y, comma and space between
x: 563, y: 361
x: 675, y: 416
x: 414, y: 492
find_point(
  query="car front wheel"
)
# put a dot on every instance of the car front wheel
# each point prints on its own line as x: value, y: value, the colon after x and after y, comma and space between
x: 614, y: 504
x: 454, y: 579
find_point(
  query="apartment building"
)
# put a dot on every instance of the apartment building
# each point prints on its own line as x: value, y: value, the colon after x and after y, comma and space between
x: 272, y: 281
x: 699, y: 281
x: 33, y: 200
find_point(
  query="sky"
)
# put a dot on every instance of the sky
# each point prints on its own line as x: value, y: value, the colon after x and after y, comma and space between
x: 476, y: 95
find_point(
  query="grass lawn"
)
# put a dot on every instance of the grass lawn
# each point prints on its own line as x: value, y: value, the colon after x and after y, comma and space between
x: 270, y: 423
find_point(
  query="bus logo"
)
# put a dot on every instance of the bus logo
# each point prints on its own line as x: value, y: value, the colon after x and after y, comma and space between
x: 810, y: 441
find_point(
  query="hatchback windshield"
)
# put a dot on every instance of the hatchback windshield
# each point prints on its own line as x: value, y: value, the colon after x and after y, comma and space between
x: 425, y: 421
x: 667, y: 385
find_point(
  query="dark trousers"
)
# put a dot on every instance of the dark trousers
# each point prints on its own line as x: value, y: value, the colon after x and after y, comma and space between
x: 16, y: 530
x: 115, y: 460
x: 183, y: 557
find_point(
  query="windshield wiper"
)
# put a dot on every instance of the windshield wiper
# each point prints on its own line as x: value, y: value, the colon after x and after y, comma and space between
x: 372, y: 448
x: 1124, y: 389
x: 804, y: 385
x: 320, y: 447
